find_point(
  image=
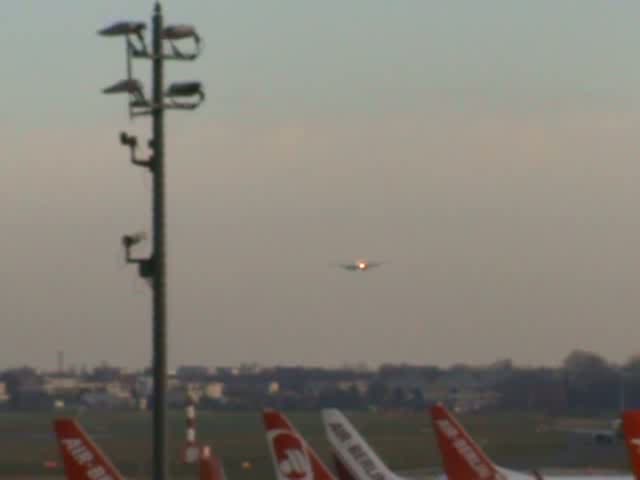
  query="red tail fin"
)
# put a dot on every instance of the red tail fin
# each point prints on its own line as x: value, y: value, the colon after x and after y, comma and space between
x: 631, y: 429
x: 83, y: 460
x: 462, y: 457
x: 210, y: 466
x: 341, y: 469
x: 292, y: 457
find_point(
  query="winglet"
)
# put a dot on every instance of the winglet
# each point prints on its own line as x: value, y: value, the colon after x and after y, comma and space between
x: 463, y: 459
x: 293, y: 458
x: 631, y: 429
x: 83, y: 460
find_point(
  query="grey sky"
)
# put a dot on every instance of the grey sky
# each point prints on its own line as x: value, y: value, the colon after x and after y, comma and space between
x: 487, y: 149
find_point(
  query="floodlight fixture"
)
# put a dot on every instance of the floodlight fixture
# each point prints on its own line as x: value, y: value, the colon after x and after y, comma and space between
x: 181, y: 90
x: 130, y: 141
x: 184, y: 89
x: 145, y: 265
x: 178, y: 32
x: 128, y: 85
x: 129, y: 241
x: 137, y: 99
x: 123, y: 28
x: 130, y: 30
x: 171, y: 33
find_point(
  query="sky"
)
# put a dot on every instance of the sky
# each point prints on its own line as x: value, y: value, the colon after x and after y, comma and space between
x: 487, y: 151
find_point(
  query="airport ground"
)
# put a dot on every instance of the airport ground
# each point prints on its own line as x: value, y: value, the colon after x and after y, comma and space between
x: 405, y: 441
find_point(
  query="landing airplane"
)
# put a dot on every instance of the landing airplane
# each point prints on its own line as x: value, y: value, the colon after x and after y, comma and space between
x: 360, y: 265
x: 463, y: 458
x: 83, y: 460
x: 292, y: 457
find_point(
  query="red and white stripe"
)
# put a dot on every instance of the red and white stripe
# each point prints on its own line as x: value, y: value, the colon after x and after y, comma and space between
x: 191, y: 449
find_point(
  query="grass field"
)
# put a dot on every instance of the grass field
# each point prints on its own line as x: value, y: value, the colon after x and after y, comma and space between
x: 405, y: 441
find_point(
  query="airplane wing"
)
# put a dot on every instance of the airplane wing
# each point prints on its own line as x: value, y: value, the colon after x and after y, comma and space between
x: 374, y: 264
x: 348, y: 266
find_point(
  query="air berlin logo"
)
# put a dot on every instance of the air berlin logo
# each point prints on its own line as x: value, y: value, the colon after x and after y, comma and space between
x: 291, y: 457
x: 83, y: 457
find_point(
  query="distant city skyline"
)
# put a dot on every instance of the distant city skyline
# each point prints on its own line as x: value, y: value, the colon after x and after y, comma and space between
x: 487, y: 150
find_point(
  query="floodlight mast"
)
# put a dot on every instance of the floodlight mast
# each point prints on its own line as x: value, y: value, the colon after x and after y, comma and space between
x: 153, y: 268
x: 160, y: 449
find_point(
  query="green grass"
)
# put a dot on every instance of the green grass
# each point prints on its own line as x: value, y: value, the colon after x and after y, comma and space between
x: 405, y: 441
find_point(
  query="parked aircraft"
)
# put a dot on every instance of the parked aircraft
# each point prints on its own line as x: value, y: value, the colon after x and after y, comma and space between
x: 601, y: 436
x: 463, y: 459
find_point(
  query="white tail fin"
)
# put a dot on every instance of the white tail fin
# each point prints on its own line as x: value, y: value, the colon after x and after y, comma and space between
x: 341, y: 469
x: 83, y: 460
x: 354, y: 457
x: 293, y: 458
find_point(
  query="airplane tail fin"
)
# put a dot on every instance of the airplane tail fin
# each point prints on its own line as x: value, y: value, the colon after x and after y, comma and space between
x: 210, y: 466
x: 341, y: 469
x: 463, y: 459
x: 631, y: 430
x: 83, y: 460
x: 293, y: 458
x: 353, y: 456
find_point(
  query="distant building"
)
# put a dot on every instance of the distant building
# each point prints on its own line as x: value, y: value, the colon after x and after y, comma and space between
x: 214, y: 390
x: 4, y: 395
x: 33, y: 397
x: 273, y: 388
x: 108, y: 398
x: 60, y: 384
x: 106, y: 373
x: 177, y: 397
x: 192, y: 372
x: 361, y: 386
x: 143, y: 387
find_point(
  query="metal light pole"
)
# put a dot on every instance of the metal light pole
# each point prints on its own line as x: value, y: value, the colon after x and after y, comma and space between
x: 153, y: 268
x: 160, y: 450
